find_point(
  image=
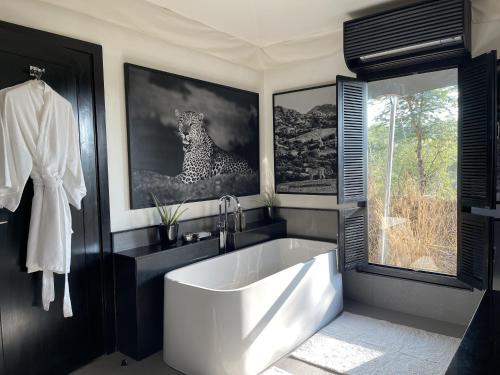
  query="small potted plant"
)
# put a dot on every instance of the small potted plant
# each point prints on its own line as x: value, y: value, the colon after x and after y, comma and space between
x: 269, y: 199
x: 169, y: 226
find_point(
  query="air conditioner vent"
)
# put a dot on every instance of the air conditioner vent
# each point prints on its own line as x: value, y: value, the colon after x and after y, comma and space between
x: 424, y: 32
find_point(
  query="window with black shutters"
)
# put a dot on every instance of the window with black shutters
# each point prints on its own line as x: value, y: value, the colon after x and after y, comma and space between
x: 416, y: 169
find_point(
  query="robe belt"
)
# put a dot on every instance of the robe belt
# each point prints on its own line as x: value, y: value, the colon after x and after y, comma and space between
x: 47, y: 180
x: 48, y: 293
x: 52, y: 182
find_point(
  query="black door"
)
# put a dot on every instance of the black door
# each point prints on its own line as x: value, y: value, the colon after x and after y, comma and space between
x: 36, y: 341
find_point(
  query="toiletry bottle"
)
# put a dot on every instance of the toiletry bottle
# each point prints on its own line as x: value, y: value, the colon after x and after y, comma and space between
x: 243, y: 220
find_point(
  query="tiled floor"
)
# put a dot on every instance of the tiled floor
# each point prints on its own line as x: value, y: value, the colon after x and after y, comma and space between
x: 154, y: 365
x: 111, y: 365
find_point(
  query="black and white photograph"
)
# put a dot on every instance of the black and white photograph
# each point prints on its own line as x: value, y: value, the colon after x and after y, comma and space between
x: 189, y: 140
x: 305, y: 141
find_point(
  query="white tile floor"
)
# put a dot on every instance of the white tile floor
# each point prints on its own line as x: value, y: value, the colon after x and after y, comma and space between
x: 154, y: 365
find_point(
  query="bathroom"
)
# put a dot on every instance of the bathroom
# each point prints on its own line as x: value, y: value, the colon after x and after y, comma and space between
x: 341, y: 225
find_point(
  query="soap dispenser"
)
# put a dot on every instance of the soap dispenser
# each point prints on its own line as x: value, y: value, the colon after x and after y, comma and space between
x: 239, y: 220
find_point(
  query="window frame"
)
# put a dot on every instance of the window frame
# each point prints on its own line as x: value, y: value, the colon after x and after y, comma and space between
x: 414, y: 275
x: 407, y: 273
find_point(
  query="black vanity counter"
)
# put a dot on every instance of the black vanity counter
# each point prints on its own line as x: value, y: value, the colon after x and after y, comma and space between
x: 139, y: 275
x: 172, y: 249
x: 479, y: 351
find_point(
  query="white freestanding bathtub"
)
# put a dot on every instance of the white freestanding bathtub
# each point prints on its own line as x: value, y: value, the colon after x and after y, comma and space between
x: 240, y: 312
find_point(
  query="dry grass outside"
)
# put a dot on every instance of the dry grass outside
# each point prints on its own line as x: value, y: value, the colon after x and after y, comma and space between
x: 421, y: 232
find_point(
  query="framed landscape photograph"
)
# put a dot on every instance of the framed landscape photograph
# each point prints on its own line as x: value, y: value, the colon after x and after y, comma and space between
x: 189, y: 140
x: 305, y: 141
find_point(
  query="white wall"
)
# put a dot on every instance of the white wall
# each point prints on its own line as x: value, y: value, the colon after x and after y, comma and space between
x: 119, y: 46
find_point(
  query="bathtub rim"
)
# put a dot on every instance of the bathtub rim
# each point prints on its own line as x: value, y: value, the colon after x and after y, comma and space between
x: 296, y: 265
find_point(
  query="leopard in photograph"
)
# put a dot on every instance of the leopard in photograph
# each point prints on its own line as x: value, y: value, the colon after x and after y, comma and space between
x: 313, y: 172
x: 202, y: 157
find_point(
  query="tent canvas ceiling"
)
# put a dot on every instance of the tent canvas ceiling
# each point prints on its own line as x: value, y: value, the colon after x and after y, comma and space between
x: 260, y: 34
x: 267, y: 22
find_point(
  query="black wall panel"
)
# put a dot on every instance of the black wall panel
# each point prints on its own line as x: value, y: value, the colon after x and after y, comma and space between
x: 35, y: 341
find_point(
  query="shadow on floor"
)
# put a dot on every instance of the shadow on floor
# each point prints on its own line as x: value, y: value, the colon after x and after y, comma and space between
x: 154, y: 365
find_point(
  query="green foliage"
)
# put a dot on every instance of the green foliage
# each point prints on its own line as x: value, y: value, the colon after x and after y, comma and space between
x: 269, y: 199
x: 417, y: 228
x: 168, y: 215
x: 425, y: 143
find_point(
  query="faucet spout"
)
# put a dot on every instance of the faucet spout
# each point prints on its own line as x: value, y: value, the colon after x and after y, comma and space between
x: 223, y: 222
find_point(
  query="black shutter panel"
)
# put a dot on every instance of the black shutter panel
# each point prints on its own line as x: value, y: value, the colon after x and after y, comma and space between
x: 353, y: 238
x: 476, y: 155
x: 474, y: 241
x: 352, y: 140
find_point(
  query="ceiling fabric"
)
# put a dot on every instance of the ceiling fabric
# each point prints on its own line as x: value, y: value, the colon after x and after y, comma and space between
x: 260, y: 34
x: 413, y: 84
x: 485, y: 26
x: 165, y: 24
x: 265, y: 22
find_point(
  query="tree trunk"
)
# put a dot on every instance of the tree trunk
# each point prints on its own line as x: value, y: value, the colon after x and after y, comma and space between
x: 420, y: 163
x: 415, y: 105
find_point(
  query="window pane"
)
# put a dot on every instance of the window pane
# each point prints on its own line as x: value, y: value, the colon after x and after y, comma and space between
x: 412, y: 171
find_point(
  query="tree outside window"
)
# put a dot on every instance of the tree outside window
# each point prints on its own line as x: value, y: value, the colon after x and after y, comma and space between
x: 412, y: 171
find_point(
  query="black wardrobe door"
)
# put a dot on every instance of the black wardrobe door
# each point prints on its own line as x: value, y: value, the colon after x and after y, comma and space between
x: 36, y: 341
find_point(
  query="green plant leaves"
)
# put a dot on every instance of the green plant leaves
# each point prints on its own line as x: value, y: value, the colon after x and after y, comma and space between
x: 168, y: 216
x: 270, y: 199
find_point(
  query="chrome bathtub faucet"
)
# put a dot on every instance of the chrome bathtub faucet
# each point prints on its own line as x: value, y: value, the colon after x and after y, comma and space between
x: 223, y: 224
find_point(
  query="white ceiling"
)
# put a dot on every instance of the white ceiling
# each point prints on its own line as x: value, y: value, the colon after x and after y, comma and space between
x: 260, y: 34
x: 267, y: 22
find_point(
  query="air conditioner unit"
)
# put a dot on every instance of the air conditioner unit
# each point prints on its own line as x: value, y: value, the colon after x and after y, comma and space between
x: 420, y: 33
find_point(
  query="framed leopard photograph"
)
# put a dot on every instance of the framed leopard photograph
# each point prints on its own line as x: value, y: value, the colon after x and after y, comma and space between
x: 305, y: 141
x: 189, y: 140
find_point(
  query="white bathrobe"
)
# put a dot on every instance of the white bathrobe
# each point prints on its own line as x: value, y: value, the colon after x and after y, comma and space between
x: 40, y: 139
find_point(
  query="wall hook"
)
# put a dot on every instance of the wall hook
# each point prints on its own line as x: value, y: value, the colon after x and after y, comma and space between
x: 36, y: 72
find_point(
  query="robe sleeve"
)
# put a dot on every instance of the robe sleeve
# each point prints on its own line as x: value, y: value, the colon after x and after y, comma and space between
x: 15, y: 159
x: 5, y: 162
x: 73, y: 181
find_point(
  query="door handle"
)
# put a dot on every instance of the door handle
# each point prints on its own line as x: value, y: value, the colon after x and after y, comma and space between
x: 3, y: 222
